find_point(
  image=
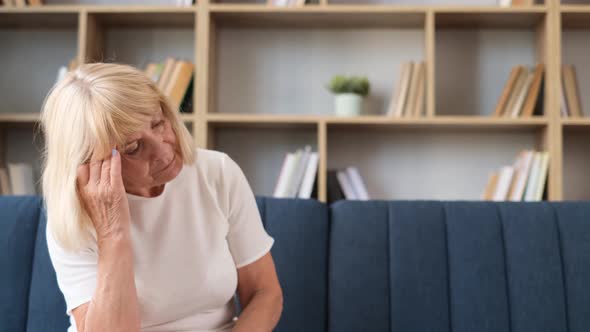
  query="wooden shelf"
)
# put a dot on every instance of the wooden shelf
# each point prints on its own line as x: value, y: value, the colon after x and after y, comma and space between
x: 217, y: 120
x: 575, y: 16
x: 580, y: 122
x: 490, y: 17
x: 35, y: 117
x: 450, y: 122
x: 318, y: 16
x: 24, y: 18
x: 19, y: 117
x: 145, y: 17
x: 187, y: 117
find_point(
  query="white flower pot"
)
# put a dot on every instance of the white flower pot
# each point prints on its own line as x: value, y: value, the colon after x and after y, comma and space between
x: 347, y: 104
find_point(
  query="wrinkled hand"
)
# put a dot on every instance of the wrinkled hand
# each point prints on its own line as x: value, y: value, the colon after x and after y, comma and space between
x: 100, y: 186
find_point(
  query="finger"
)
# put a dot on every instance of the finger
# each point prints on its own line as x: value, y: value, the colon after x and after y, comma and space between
x: 82, y: 175
x: 105, y: 174
x: 116, y: 178
x: 95, y: 166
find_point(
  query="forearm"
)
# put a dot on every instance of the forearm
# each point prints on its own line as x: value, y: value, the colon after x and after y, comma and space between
x: 114, y: 304
x: 261, y: 314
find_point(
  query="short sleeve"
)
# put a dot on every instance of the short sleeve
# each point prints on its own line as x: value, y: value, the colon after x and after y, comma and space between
x: 75, y: 272
x: 247, y: 239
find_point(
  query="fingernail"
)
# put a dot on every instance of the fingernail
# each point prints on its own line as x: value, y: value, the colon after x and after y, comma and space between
x: 114, y: 152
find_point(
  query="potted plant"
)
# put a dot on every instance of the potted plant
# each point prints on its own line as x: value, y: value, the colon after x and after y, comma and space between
x: 349, y: 93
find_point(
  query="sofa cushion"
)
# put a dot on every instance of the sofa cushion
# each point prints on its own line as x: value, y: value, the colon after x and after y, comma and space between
x: 47, y: 307
x: 18, y: 227
x: 300, y: 253
x: 388, y: 269
x: 458, y: 266
x: 573, y: 221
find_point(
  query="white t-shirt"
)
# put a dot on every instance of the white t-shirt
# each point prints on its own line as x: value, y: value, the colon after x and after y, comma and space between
x: 187, y: 245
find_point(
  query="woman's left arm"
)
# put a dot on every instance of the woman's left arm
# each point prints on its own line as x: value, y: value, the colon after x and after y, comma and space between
x: 260, y: 295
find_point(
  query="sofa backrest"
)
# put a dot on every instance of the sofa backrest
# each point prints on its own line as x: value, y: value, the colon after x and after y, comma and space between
x: 300, y: 253
x: 459, y: 266
x: 30, y: 299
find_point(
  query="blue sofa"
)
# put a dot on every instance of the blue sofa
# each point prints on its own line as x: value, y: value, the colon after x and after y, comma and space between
x: 411, y: 266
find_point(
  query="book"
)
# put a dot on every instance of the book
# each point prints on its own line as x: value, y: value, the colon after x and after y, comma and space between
x: 542, y: 176
x: 418, y: 107
x: 360, y: 190
x: 4, y: 182
x: 515, y: 93
x: 504, y: 180
x: 179, y: 81
x: 346, y: 185
x: 282, y: 183
x: 488, y: 194
x: 21, y: 179
x: 309, y: 177
x: 334, y: 191
x: 531, y: 189
x: 403, y: 96
x: 413, y: 90
x: 535, y: 94
x: 508, y: 88
x: 522, y: 168
x: 61, y: 73
x: 167, y: 69
x: 519, y: 102
x: 564, y: 107
x: 297, y: 178
x: 572, y: 94
x: 397, y: 90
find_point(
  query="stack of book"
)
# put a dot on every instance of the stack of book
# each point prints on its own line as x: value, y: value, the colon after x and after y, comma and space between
x: 21, y: 3
x: 17, y: 179
x: 525, y: 180
x: 570, y: 93
x: 523, y: 93
x: 508, y: 3
x: 286, y: 3
x: 346, y: 183
x: 175, y: 79
x: 298, y: 175
x: 408, y: 95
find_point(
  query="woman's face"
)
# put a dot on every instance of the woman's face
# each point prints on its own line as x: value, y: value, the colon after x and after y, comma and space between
x: 150, y: 158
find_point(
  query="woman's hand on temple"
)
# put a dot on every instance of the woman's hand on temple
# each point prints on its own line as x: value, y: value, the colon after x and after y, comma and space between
x: 100, y: 186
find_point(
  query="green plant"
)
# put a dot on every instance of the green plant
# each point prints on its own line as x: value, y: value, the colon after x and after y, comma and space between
x: 352, y: 84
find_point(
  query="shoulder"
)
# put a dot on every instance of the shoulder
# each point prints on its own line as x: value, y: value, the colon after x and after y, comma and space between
x: 210, y: 162
x: 216, y: 168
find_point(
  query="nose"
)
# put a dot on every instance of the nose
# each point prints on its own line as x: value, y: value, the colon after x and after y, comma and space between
x: 161, y: 153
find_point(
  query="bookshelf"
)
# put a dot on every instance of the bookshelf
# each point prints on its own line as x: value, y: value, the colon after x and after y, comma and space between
x: 261, y: 73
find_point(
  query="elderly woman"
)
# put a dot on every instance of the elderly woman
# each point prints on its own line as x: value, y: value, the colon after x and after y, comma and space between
x: 145, y: 231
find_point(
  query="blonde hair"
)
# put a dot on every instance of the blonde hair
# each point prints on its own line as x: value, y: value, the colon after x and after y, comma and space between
x: 92, y: 108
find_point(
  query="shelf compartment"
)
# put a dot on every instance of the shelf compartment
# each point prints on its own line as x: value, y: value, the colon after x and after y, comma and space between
x: 31, y: 59
x: 575, y: 51
x: 140, y: 36
x: 472, y: 66
x: 285, y: 70
x: 576, y: 160
x: 411, y: 163
x: 260, y: 152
